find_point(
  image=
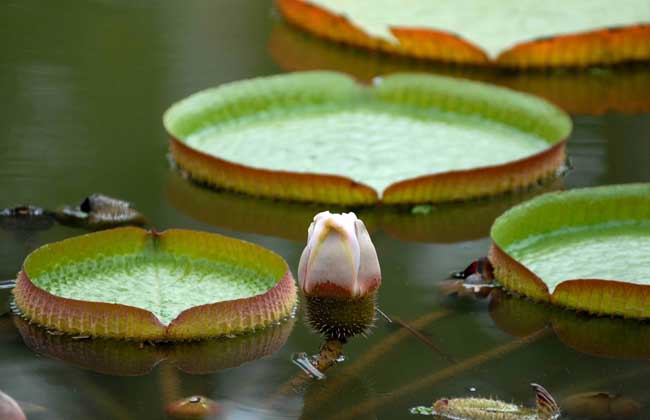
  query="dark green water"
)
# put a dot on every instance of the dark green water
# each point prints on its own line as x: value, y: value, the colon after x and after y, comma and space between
x: 84, y: 85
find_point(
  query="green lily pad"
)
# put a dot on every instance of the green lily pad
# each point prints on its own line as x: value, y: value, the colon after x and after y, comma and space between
x: 586, y: 249
x: 319, y: 136
x: 175, y: 285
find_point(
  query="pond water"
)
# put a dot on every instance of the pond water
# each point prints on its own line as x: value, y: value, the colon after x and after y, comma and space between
x: 85, y: 85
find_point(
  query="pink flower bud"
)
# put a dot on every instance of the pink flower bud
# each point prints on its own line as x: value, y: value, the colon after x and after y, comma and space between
x: 339, y: 259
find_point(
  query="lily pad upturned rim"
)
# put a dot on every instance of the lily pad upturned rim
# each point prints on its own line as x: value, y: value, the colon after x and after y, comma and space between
x: 622, y: 89
x: 598, y: 47
x: 446, y: 223
x: 295, y: 90
x: 578, y: 207
x: 102, y: 319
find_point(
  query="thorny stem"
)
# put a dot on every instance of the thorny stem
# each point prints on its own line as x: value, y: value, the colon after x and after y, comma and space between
x: 329, y: 353
x: 331, y: 350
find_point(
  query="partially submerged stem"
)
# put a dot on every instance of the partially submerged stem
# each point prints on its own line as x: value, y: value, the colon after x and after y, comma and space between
x: 330, y: 352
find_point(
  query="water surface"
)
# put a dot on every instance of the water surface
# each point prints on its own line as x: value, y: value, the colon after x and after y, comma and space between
x: 84, y: 88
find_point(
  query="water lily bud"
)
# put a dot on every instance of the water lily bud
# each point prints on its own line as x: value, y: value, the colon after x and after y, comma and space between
x: 339, y: 275
x: 339, y: 259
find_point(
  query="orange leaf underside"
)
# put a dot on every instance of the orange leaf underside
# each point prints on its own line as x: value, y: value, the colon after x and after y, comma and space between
x: 595, y: 296
x: 607, y: 46
x: 447, y: 223
x: 620, y: 89
x: 450, y: 186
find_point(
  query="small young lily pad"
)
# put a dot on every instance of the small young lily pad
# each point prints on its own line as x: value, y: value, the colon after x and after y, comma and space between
x: 408, y: 139
x: 530, y: 33
x: 586, y: 249
x: 135, y: 284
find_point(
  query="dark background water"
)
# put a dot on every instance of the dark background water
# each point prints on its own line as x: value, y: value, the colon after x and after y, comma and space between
x: 84, y: 85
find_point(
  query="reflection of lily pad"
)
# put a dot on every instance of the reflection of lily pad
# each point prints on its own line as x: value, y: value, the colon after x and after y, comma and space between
x: 119, y: 357
x: 594, y: 91
x: 445, y: 223
x: 598, y: 336
x: 586, y: 249
x: 175, y: 285
x: 319, y: 136
x: 531, y: 33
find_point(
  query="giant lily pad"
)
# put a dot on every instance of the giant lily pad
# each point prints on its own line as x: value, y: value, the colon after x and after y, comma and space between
x: 593, y: 92
x: 586, y: 249
x: 530, y: 33
x: 319, y: 136
x: 175, y: 285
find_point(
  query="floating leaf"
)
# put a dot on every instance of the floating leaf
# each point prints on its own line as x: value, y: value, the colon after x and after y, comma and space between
x: 175, y: 285
x: 320, y: 137
x: 586, y: 249
x: 531, y: 33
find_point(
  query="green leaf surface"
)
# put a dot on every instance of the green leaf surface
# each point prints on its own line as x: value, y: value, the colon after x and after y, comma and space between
x: 593, y: 233
x: 195, y: 284
x: 405, y: 126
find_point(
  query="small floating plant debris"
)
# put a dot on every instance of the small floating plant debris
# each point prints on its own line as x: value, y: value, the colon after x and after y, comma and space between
x: 586, y: 249
x: 25, y: 217
x: 194, y: 407
x: 407, y: 139
x: 489, y: 409
x: 531, y: 33
x: 143, y: 285
x: 98, y: 211
x: 95, y: 212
